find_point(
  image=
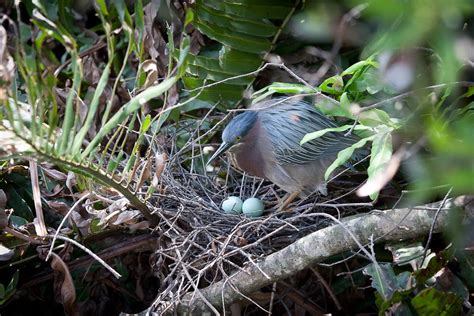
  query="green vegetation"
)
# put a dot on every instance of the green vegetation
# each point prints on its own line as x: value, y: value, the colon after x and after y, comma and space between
x: 108, y: 109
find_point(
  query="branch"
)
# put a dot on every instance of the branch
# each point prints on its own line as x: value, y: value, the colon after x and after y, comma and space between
x: 389, y: 225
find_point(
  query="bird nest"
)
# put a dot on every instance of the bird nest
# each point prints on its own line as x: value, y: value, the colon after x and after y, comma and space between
x: 200, y: 244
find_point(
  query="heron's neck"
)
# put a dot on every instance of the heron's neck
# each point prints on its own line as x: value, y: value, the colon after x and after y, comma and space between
x: 248, y: 154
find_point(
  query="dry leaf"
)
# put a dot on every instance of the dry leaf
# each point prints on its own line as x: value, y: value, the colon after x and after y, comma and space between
x: 64, y: 285
x: 5, y: 253
x: 3, y: 200
x: 160, y: 163
x: 59, y: 207
x: 54, y: 174
x: 146, y: 172
x: 7, y: 66
x: 71, y: 181
x: 126, y: 217
x: 383, y: 177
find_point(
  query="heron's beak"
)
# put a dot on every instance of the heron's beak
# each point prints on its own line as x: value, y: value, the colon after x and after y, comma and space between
x: 222, y: 148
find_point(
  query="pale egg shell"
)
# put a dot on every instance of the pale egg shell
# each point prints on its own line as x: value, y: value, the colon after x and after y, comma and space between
x: 253, y: 207
x: 232, y: 205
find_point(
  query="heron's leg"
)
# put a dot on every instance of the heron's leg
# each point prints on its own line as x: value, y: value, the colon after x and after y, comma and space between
x: 287, y: 200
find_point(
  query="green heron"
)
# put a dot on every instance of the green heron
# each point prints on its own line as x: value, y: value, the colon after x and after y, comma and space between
x: 264, y: 141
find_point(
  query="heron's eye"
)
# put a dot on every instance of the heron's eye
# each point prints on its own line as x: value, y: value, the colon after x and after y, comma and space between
x: 238, y: 138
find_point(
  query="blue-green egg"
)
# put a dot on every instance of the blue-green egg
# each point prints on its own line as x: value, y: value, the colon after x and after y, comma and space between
x: 253, y: 207
x: 232, y: 205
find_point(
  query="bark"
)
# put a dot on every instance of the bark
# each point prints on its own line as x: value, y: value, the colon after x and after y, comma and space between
x: 381, y: 226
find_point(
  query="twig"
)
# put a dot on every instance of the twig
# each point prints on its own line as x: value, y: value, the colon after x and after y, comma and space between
x: 328, y: 288
x: 62, y: 223
x: 22, y: 236
x: 272, y: 298
x: 90, y: 253
x: 430, y: 235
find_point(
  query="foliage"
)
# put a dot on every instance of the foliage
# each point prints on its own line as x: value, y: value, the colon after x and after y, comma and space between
x: 38, y: 133
x: 423, y: 291
x: 403, y: 90
x: 247, y: 32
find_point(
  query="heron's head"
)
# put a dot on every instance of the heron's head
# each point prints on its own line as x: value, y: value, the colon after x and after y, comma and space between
x: 235, y: 132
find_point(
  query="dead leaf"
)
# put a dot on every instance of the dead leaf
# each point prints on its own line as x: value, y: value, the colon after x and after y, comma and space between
x: 81, y: 222
x: 3, y: 200
x: 127, y: 217
x: 5, y: 253
x: 160, y: 163
x: 146, y: 172
x: 3, y: 219
x: 54, y: 174
x: 149, y: 66
x: 383, y: 177
x: 92, y: 73
x: 138, y: 226
x: 7, y: 66
x: 59, y: 207
x: 64, y: 285
x: 71, y: 181
x: 55, y: 192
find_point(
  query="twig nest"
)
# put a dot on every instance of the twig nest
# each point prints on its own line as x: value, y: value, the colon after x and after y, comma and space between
x: 232, y: 205
x: 253, y: 207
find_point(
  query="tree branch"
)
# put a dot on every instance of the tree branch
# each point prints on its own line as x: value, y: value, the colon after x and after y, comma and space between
x: 382, y: 226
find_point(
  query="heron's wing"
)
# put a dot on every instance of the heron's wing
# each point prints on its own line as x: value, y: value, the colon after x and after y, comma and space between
x: 287, y: 123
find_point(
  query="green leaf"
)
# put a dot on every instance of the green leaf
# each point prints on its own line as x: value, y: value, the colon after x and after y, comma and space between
x: 210, y: 68
x: 250, y: 9
x: 246, y: 29
x: 290, y: 88
x: 469, y: 93
x: 406, y: 252
x: 91, y: 113
x: 220, y: 92
x: 331, y: 107
x: 344, y: 155
x: 358, y: 66
x: 332, y: 85
x: 380, y: 157
x: 189, y: 17
x: 11, y: 288
x: 236, y: 61
x: 385, y: 281
x: 133, y: 105
x: 69, y: 116
x: 260, y: 28
x: 375, y: 117
x: 17, y: 221
x: 234, y: 39
x: 433, y: 302
x: 19, y: 205
x: 310, y: 136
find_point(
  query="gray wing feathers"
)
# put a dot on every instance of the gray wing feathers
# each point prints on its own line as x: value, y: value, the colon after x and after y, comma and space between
x: 287, y: 123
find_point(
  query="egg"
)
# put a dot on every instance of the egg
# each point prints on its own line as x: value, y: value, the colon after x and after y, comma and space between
x: 253, y: 207
x: 232, y: 205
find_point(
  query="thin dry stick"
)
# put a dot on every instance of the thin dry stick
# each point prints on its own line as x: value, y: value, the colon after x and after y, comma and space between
x: 89, y: 252
x: 272, y: 298
x: 434, y: 223
x: 327, y: 287
x: 22, y: 236
x: 196, y: 289
x: 62, y: 223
